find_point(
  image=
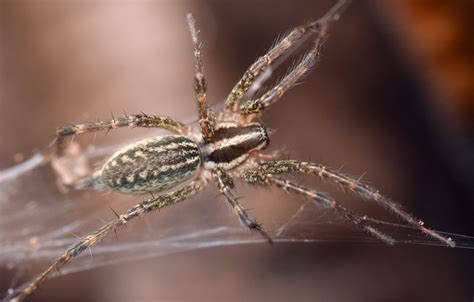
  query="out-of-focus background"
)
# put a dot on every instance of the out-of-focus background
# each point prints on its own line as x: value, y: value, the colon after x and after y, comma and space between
x: 393, y: 96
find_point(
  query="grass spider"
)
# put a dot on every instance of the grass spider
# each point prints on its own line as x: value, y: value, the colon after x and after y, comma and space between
x: 226, y: 145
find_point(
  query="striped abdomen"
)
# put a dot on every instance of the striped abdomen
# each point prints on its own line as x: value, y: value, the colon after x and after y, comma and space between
x: 151, y: 165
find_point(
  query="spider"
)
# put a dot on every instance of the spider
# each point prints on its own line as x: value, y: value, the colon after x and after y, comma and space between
x: 225, y: 146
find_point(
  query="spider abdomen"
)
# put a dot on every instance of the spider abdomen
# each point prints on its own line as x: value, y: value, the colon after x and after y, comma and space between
x: 151, y: 165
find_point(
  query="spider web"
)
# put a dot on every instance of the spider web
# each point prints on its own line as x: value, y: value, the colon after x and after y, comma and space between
x: 38, y: 223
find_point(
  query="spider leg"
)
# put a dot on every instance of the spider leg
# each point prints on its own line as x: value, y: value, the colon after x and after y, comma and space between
x: 148, y: 205
x: 292, y: 79
x: 225, y: 184
x: 298, y: 34
x: 136, y: 120
x: 207, y: 119
x: 325, y: 201
x: 362, y: 190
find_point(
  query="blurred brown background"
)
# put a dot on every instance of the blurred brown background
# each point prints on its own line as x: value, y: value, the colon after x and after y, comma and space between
x: 384, y: 100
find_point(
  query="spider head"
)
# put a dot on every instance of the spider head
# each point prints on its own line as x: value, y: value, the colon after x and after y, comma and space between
x: 233, y: 144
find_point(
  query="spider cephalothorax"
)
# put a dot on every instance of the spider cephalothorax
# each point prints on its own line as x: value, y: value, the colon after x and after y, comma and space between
x: 233, y: 144
x: 223, y: 147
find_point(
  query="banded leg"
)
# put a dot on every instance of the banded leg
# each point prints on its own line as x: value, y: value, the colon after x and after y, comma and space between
x: 325, y: 201
x: 298, y: 34
x: 290, y: 80
x: 225, y: 184
x: 362, y: 190
x: 148, y: 205
x: 136, y: 120
x: 207, y: 119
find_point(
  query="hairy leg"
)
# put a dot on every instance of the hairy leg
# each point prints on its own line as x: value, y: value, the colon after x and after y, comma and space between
x: 298, y: 34
x: 290, y: 80
x: 207, y: 119
x: 148, y: 205
x: 225, y: 184
x: 364, y: 191
x: 136, y: 120
x: 325, y: 201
